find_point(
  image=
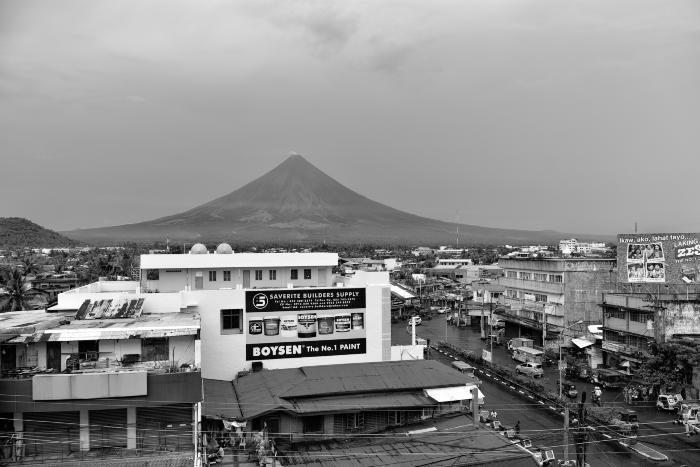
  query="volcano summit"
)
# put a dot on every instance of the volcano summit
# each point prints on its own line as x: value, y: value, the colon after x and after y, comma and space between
x: 296, y: 201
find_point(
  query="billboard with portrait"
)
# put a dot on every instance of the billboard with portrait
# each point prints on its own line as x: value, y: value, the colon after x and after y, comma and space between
x: 669, y: 258
x: 298, y: 323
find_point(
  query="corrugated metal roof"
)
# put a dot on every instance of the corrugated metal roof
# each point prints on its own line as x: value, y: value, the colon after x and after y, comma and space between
x: 220, y: 400
x: 454, y: 442
x: 454, y: 393
x: 273, y: 390
x: 110, y: 308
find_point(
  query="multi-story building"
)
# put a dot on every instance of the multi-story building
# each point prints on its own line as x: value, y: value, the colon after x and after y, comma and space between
x: 112, y: 377
x: 632, y: 321
x: 562, y: 291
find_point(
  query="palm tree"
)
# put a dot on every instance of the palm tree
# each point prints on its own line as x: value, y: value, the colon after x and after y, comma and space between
x: 15, y: 291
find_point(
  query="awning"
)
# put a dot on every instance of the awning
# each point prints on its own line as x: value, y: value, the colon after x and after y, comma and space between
x: 596, y: 330
x: 220, y: 400
x: 453, y: 393
x: 392, y: 400
x: 581, y: 342
x: 400, y: 292
x: 97, y: 334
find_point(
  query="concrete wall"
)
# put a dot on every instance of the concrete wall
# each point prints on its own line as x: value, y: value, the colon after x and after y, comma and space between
x: 185, y: 278
x: 680, y: 319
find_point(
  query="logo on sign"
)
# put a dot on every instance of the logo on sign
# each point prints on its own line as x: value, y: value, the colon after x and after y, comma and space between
x: 260, y: 301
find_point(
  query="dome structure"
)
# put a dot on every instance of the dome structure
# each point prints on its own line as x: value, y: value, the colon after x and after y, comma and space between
x: 198, y: 249
x: 224, y: 249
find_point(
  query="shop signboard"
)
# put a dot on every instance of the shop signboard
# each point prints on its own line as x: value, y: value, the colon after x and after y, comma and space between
x: 298, y: 323
x: 668, y: 258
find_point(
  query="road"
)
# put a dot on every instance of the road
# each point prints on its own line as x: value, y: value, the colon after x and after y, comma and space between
x: 544, y: 426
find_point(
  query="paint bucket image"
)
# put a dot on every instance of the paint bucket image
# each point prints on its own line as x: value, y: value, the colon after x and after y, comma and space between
x: 325, y: 324
x: 255, y: 326
x: 358, y: 320
x: 342, y: 322
x: 288, y: 326
x: 306, y: 326
x: 271, y: 325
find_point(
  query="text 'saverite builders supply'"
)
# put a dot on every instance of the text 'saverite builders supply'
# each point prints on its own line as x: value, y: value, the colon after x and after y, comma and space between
x: 668, y: 258
x: 303, y: 300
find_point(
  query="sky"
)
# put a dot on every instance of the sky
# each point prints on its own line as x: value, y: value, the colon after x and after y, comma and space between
x: 577, y: 116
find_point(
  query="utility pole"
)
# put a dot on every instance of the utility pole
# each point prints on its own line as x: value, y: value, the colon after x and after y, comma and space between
x: 582, y: 433
x: 544, y: 327
x: 475, y: 406
x: 566, y: 432
x: 483, y: 332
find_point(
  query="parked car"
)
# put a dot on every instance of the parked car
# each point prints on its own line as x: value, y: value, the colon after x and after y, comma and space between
x: 443, y: 310
x: 415, y: 319
x: 568, y: 390
x: 666, y: 402
x: 530, y: 369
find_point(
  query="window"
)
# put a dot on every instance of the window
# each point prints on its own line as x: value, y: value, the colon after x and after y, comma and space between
x: 540, y: 277
x: 258, y: 274
x: 153, y: 274
x: 510, y: 293
x: 397, y: 417
x: 295, y: 274
x: 355, y: 421
x: 273, y: 274
x: 307, y: 274
x: 227, y: 276
x: 154, y: 349
x: 173, y: 270
x: 231, y: 321
x: 526, y: 276
x: 540, y: 297
x: 557, y: 278
x: 212, y: 276
x: 640, y: 317
x: 512, y: 274
x: 313, y: 424
x: 614, y: 313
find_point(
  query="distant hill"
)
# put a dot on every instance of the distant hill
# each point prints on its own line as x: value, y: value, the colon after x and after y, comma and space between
x: 298, y: 202
x: 21, y: 232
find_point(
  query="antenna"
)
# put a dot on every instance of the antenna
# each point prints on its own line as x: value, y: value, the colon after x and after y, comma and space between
x: 635, y: 227
x: 457, y: 222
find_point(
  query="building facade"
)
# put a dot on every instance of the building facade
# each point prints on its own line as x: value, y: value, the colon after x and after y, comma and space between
x: 562, y: 291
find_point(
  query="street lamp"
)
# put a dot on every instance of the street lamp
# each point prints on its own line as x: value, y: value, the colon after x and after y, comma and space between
x: 561, y: 338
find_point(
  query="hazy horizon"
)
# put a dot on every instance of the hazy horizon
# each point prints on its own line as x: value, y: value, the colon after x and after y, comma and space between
x: 580, y: 116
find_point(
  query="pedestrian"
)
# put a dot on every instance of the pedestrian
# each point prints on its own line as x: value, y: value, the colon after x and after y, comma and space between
x: 517, y: 428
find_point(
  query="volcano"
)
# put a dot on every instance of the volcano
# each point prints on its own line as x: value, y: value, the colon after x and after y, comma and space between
x: 296, y: 202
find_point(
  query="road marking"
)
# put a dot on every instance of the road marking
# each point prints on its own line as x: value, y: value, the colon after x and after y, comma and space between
x: 553, y: 408
x: 488, y: 374
x: 541, y: 402
x: 607, y: 436
x: 512, y: 387
x: 520, y: 391
x: 530, y: 396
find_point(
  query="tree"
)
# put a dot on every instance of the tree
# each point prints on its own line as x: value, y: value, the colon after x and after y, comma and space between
x: 16, y: 292
x: 671, y: 362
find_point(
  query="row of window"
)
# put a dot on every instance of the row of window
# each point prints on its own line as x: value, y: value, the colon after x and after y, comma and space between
x: 636, y: 316
x: 538, y: 297
x: 154, y: 275
x: 537, y: 276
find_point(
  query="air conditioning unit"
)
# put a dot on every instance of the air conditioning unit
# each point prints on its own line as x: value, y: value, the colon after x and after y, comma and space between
x: 526, y: 443
x: 549, y: 455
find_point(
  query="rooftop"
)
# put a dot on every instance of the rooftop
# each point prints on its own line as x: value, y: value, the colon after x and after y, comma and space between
x: 238, y: 260
x: 272, y: 390
x: 144, y: 326
x: 450, y: 441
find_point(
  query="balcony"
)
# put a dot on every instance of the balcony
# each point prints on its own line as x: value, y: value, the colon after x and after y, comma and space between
x: 532, y: 286
x: 515, y: 304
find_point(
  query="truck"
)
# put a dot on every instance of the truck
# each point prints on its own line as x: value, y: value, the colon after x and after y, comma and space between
x: 623, y: 421
x: 528, y: 354
x: 517, y: 342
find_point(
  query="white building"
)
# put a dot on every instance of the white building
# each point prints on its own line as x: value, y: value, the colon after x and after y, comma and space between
x: 275, y: 310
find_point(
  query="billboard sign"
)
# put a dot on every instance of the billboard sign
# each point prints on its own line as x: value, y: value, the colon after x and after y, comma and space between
x: 295, y: 323
x: 670, y: 258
